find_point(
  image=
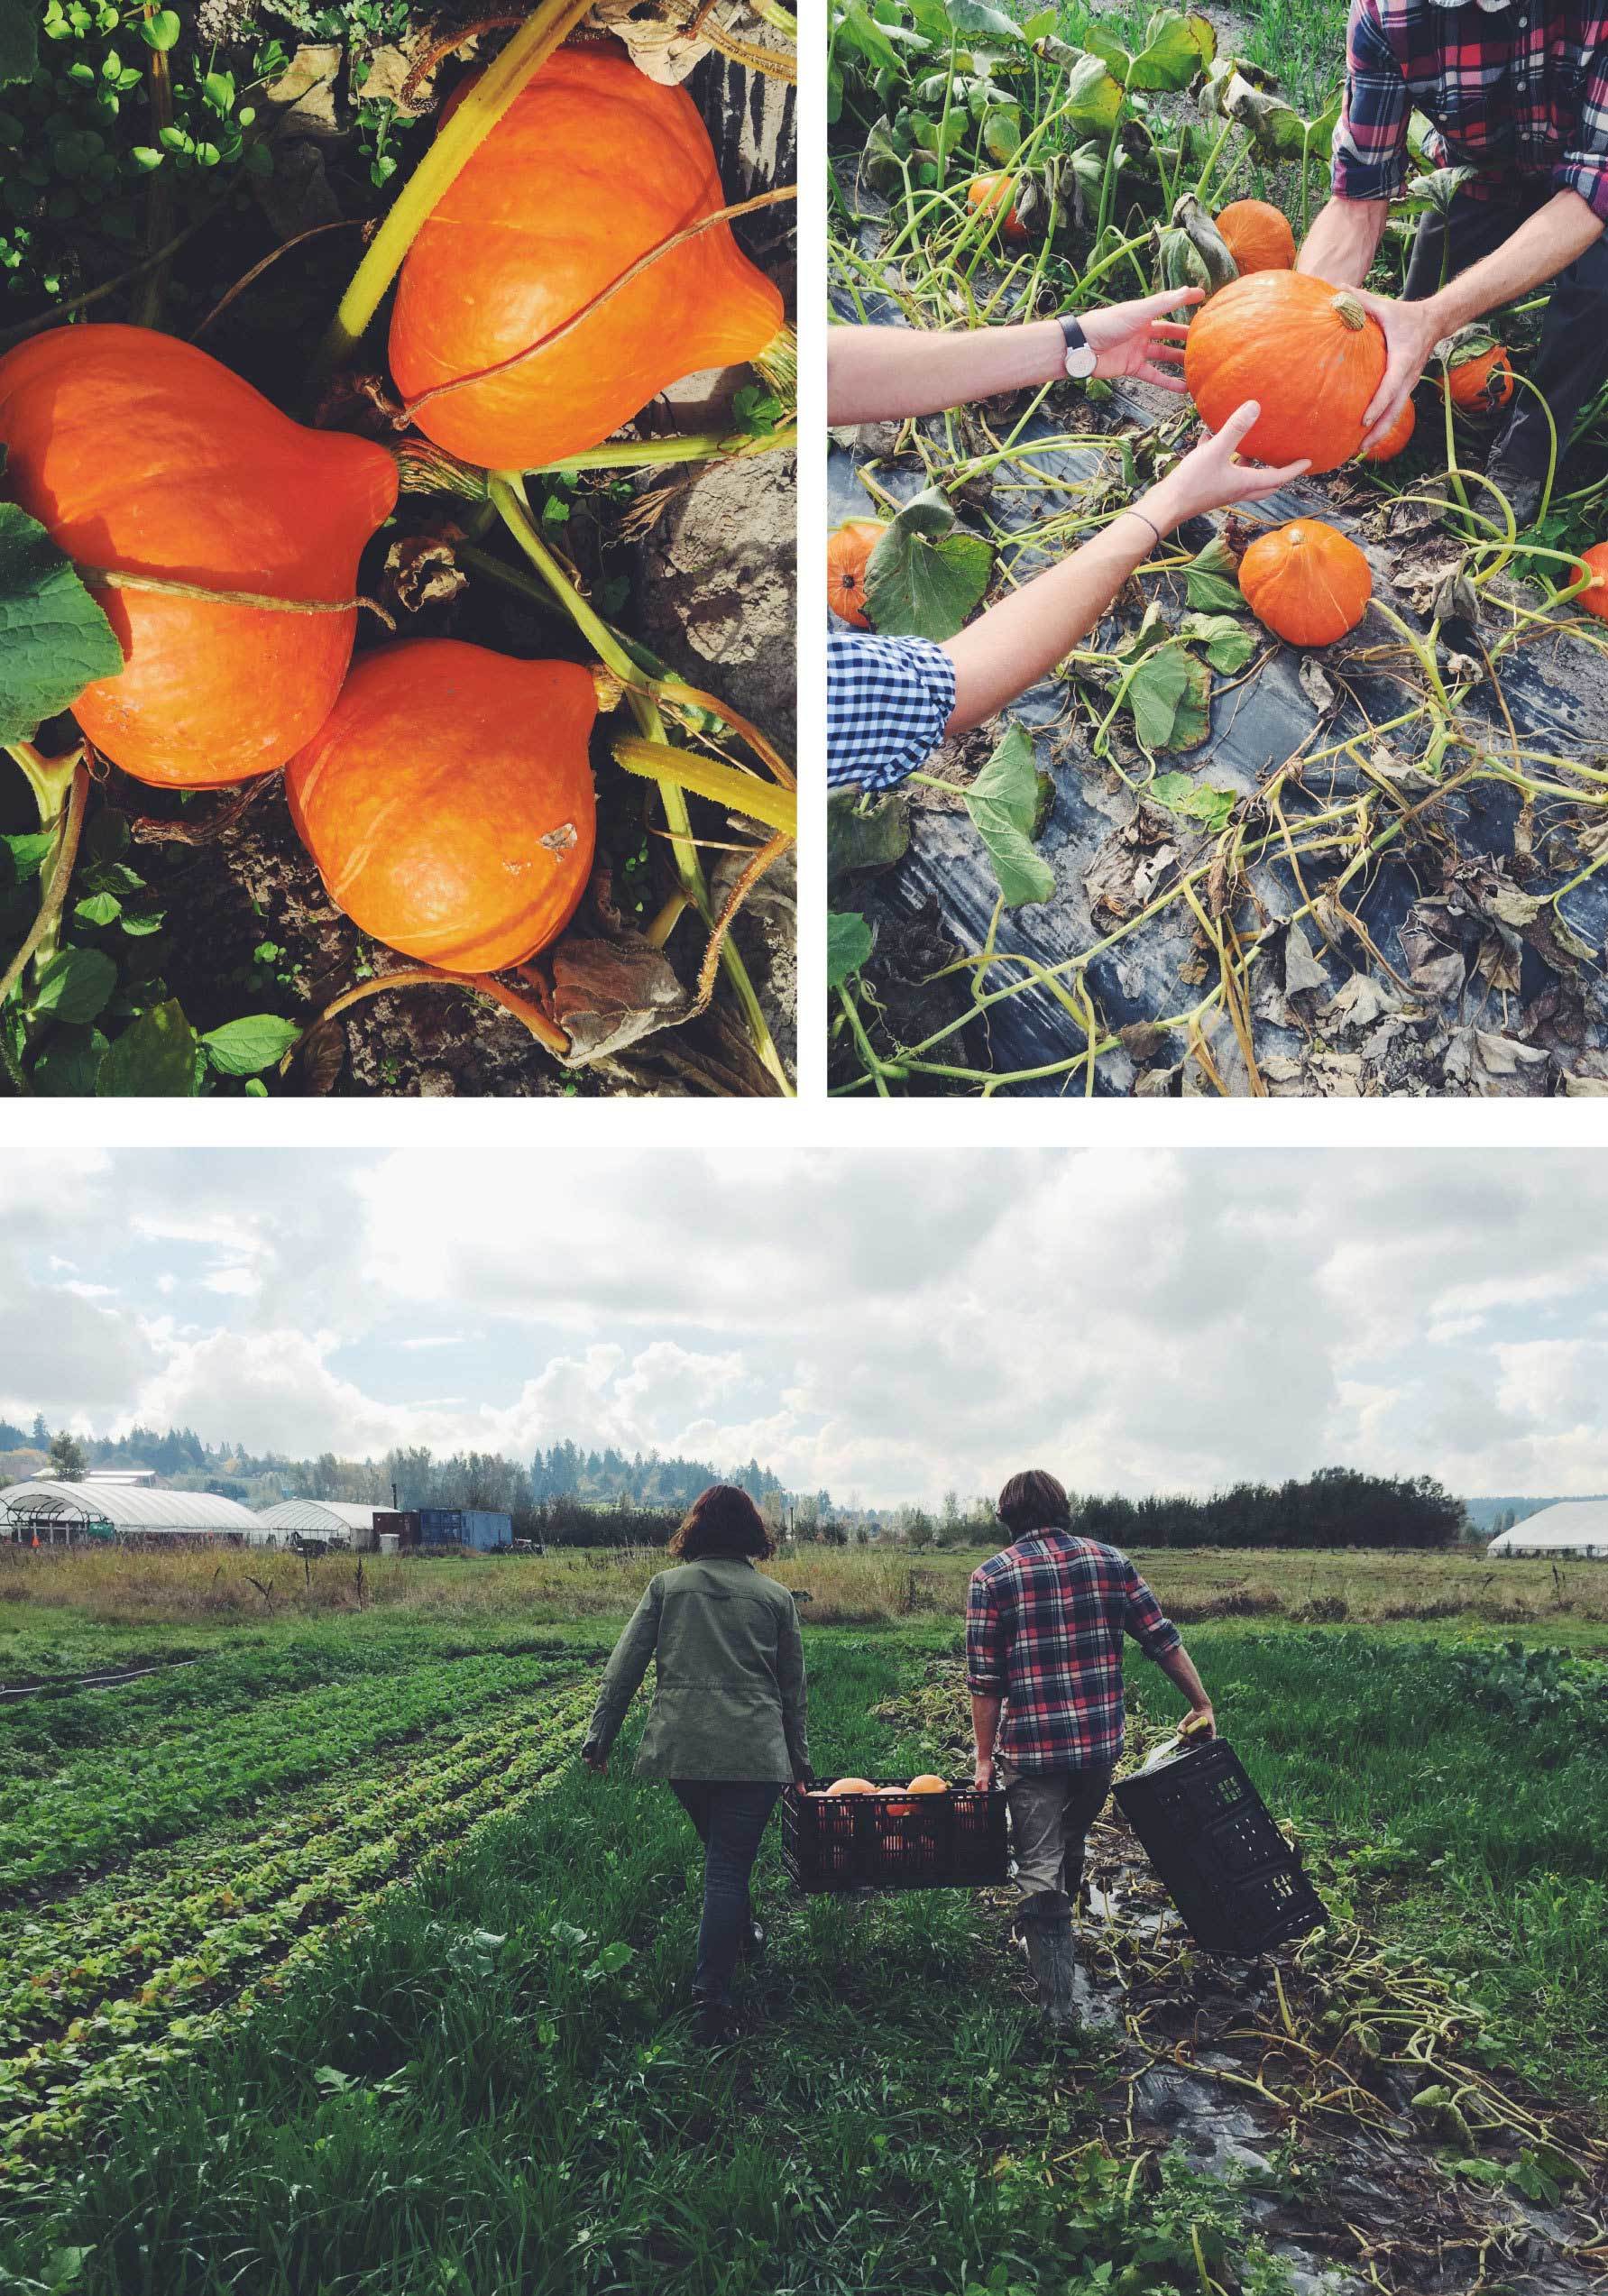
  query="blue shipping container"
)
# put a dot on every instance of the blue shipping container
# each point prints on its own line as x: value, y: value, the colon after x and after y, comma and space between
x: 469, y: 1527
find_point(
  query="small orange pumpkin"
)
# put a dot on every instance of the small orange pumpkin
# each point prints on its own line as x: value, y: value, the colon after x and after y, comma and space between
x: 1594, y: 600
x: 848, y: 549
x: 991, y: 191
x: 1306, y: 583
x: 1258, y: 236
x: 1308, y: 352
x: 1480, y: 379
x: 927, y: 1784
x: 1395, y: 438
x: 447, y: 801
x: 851, y: 1786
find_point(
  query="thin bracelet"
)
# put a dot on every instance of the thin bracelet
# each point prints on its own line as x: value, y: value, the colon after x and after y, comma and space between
x: 1131, y: 513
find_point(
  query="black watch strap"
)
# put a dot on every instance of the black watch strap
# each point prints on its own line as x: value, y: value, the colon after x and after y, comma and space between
x: 1076, y: 342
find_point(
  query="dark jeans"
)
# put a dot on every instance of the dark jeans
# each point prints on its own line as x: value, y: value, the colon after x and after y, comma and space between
x: 731, y: 1815
x: 1573, y: 358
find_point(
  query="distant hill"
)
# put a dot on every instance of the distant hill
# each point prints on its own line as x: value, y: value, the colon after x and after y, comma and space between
x: 1491, y: 1515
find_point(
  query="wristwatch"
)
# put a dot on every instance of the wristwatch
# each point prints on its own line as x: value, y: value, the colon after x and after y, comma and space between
x: 1081, y: 354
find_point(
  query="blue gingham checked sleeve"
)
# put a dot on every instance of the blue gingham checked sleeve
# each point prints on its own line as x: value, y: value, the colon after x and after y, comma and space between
x: 887, y: 702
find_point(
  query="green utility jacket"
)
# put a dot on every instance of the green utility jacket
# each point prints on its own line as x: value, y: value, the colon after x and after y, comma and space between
x: 729, y: 1699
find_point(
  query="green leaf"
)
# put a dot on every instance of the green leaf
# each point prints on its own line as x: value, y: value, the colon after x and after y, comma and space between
x: 243, y: 1047
x: 1169, y: 695
x: 1211, y: 580
x: 29, y: 852
x: 972, y: 21
x: 155, y: 1057
x: 67, y: 1068
x: 1093, y: 101
x: 1196, y: 801
x: 611, y: 1960
x: 848, y: 945
x: 74, y: 984
x: 19, y: 41
x: 99, y: 908
x: 1176, y: 48
x: 161, y: 30
x: 925, y: 578
x: 1001, y: 133
x: 866, y: 833
x: 1226, y: 642
x: 1003, y: 804
x: 54, y: 639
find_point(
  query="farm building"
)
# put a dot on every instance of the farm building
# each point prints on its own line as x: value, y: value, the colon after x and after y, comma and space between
x: 129, y: 1514
x: 475, y: 1527
x: 1573, y: 1527
x: 333, y: 1523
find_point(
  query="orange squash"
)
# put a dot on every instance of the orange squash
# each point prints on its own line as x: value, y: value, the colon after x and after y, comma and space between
x: 447, y: 801
x: 1594, y: 600
x: 589, y: 170
x: 1258, y: 236
x: 1396, y: 438
x: 992, y: 191
x: 851, y: 1786
x: 848, y: 549
x: 1308, y: 352
x: 927, y: 1784
x: 142, y: 455
x: 1307, y: 582
x: 1480, y: 377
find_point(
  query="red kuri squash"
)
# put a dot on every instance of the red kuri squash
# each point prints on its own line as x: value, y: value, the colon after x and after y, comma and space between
x: 142, y: 455
x: 1259, y: 236
x: 1479, y: 375
x: 1396, y: 438
x: 1595, y: 599
x: 1308, y: 352
x: 448, y: 801
x: 848, y: 549
x: 1307, y: 582
x: 994, y: 191
x: 591, y: 167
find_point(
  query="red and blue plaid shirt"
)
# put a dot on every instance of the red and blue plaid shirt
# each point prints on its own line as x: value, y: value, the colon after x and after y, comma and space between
x: 1044, y: 1622
x: 1518, y: 90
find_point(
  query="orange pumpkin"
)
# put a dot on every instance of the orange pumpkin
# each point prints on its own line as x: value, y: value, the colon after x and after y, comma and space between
x: 927, y: 1784
x: 142, y: 455
x: 1308, y: 352
x: 448, y: 803
x: 1307, y: 582
x: 1258, y: 236
x: 992, y: 191
x: 589, y: 170
x: 1396, y: 437
x: 848, y: 549
x: 1594, y: 600
x: 851, y: 1786
x: 1480, y: 378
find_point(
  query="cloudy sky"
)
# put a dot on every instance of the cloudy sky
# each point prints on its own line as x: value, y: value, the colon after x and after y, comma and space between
x: 885, y: 1326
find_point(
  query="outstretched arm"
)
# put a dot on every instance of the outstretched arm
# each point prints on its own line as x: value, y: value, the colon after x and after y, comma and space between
x: 1015, y: 644
x: 1180, y: 1667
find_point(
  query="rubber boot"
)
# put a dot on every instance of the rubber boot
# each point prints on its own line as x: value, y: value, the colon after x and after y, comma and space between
x: 1044, y: 1926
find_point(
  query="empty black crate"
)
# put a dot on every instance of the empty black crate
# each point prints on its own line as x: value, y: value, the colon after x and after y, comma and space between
x: 894, y: 1840
x: 1227, y: 1869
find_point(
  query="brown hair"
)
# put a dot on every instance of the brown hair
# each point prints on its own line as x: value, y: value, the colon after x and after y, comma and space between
x: 722, y: 1520
x: 1032, y: 1501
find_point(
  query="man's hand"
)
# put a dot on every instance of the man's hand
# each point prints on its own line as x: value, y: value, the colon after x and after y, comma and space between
x: 1199, y: 1723
x: 1142, y: 339
x: 984, y: 1778
x: 1209, y: 478
x: 1411, y: 331
x: 596, y: 1759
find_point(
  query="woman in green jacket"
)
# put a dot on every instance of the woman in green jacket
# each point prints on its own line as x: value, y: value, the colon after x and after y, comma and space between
x: 727, y: 1727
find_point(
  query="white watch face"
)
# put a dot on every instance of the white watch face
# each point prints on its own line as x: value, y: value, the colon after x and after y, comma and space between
x: 1080, y: 360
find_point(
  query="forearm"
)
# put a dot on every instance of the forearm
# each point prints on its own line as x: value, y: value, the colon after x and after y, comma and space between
x: 1544, y: 244
x: 1342, y: 243
x: 985, y: 1724
x: 1179, y: 1667
x: 881, y: 373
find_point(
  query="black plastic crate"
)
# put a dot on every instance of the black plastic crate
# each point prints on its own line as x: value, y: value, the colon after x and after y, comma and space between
x: 1227, y: 1869
x: 895, y: 1840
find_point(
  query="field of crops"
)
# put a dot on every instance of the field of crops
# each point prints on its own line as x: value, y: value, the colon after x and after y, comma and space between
x: 323, y: 1965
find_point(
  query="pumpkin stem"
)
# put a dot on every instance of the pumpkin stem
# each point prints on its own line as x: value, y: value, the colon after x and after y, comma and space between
x: 778, y: 363
x: 739, y: 793
x: 1350, y: 311
x: 109, y: 578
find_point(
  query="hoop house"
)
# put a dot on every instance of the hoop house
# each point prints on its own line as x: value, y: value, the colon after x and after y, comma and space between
x: 71, y: 1515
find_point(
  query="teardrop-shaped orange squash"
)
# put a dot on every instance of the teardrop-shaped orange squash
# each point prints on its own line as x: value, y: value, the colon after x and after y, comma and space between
x: 1308, y: 352
x: 1595, y: 597
x: 1258, y: 236
x: 1306, y: 582
x: 1396, y: 437
x: 848, y: 549
x: 994, y: 191
x: 1480, y: 378
x: 447, y: 801
x: 142, y: 455
x: 589, y: 170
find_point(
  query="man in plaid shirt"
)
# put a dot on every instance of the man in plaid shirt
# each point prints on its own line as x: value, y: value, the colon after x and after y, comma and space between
x: 1517, y: 92
x: 1044, y: 1627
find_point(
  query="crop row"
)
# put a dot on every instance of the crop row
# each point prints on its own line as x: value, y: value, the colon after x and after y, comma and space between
x: 107, y: 1802
x: 49, y: 2092
x: 63, y: 1964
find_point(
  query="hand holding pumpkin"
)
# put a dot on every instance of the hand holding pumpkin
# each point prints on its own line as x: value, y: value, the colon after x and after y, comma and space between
x: 1209, y: 478
x: 1410, y: 333
x: 1143, y: 339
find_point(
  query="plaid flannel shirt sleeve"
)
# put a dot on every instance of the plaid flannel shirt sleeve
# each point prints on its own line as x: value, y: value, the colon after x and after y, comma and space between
x: 1369, y: 148
x: 1583, y: 165
x: 985, y: 1641
x: 1144, y: 1619
x: 887, y: 702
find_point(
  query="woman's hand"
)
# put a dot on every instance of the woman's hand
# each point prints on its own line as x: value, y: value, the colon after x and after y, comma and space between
x: 1142, y: 339
x: 596, y: 1759
x: 1209, y: 478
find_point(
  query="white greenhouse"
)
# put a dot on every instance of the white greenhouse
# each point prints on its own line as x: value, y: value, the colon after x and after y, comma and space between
x: 329, y: 1522
x: 1577, y: 1526
x: 69, y: 1514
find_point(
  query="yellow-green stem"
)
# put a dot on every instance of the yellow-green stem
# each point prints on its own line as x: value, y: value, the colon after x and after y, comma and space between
x: 739, y: 793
